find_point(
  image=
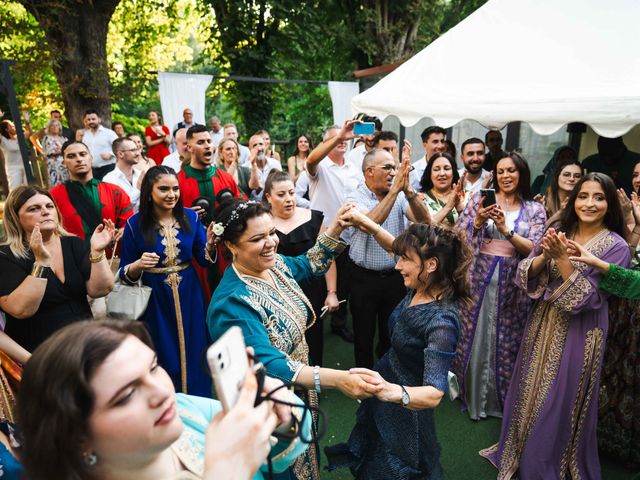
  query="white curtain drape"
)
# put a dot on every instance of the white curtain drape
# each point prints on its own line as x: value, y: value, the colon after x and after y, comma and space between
x: 179, y: 91
x: 341, y: 95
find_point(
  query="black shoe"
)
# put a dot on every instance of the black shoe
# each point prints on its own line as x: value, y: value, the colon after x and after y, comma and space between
x: 344, y: 333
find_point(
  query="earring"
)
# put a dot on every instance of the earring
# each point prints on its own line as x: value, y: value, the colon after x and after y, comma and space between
x: 90, y: 458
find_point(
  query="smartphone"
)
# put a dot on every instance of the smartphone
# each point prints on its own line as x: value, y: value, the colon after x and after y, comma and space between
x: 489, y: 195
x: 365, y: 128
x: 229, y: 365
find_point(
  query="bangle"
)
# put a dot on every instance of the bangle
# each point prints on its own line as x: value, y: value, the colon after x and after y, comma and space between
x: 316, y: 378
x: 101, y: 256
x: 40, y: 271
x: 410, y: 195
x: 377, y: 231
x: 332, y: 291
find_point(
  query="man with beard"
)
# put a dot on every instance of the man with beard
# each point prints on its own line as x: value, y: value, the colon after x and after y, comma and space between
x: 202, y: 179
x: 85, y: 201
x: 433, y: 141
x: 99, y: 140
x: 331, y: 180
x: 387, y: 198
x: 356, y: 155
x: 473, y: 174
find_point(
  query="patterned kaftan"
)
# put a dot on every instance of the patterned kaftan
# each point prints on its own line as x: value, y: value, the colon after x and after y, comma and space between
x: 550, y: 414
x: 274, y: 320
x: 497, y: 312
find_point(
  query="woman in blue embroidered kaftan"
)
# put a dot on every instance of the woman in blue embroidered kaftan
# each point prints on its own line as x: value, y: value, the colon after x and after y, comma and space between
x: 176, y: 309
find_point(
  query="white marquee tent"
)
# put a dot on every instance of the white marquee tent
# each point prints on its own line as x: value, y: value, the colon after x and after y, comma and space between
x: 566, y: 61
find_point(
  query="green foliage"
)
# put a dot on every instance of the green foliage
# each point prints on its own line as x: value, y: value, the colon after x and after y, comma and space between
x: 132, y: 125
x: 22, y: 40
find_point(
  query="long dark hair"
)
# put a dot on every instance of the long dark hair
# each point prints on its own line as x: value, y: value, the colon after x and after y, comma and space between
x: 56, y: 398
x: 450, y: 248
x: 426, y: 183
x: 524, y: 182
x: 148, y: 222
x: 4, y: 129
x: 552, y: 196
x: 296, y: 152
x: 235, y: 224
x: 613, y: 219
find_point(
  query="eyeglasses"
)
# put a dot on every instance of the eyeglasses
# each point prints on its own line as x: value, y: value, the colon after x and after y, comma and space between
x: 131, y: 150
x: 387, y: 168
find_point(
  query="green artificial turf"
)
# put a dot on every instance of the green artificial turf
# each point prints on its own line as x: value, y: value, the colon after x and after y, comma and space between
x: 460, y: 437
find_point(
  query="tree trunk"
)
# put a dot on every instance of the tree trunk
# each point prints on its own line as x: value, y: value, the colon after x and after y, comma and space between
x: 76, y: 33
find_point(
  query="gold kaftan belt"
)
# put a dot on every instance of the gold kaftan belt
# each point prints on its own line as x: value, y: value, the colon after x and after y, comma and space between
x: 169, y: 270
x: 173, y: 281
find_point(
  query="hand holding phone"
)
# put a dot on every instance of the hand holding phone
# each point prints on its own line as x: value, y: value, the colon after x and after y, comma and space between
x: 229, y: 365
x: 364, y: 128
x: 489, y: 195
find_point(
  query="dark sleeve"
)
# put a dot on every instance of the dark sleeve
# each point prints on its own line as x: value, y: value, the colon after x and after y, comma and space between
x: 441, y: 338
x: 14, y: 271
x: 80, y: 251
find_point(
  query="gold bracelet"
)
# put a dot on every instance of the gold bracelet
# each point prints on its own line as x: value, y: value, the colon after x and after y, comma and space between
x: 40, y: 271
x: 97, y: 259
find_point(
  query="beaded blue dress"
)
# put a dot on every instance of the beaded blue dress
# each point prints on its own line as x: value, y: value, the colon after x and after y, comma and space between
x: 388, y: 440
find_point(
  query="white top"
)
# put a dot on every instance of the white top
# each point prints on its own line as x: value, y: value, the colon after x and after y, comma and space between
x: 245, y: 153
x: 416, y: 175
x: 173, y: 160
x: 331, y: 185
x: 272, y: 164
x: 117, y: 177
x: 11, y: 152
x: 216, y: 137
x: 302, y: 185
x: 475, y: 186
x: 100, y: 142
x: 356, y: 156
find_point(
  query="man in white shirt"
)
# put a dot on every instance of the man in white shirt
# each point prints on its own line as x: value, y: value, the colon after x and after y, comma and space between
x: 263, y: 163
x: 99, y: 139
x: 176, y: 159
x: 473, y: 157
x: 124, y: 175
x: 230, y: 131
x: 356, y: 154
x: 433, y: 141
x: 331, y: 180
x: 216, y: 131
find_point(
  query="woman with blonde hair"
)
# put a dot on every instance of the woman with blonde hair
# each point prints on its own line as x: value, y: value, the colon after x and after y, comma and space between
x: 46, y: 272
x: 52, y: 146
x: 228, y: 160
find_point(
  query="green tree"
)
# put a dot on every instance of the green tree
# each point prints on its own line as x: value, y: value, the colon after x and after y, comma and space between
x: 76, y: 35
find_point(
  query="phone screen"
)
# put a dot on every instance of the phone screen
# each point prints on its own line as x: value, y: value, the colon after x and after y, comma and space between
x: 366, y: 128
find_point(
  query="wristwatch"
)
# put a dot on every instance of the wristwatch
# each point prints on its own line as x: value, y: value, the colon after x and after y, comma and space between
x: 405, y: 397
x: 510, y: 235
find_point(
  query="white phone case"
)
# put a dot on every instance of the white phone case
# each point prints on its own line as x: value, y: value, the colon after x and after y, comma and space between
x: 229, y: 365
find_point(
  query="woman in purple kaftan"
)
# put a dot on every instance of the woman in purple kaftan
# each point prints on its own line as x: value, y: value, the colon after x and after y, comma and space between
x: 550, y: 415
x: 492, y: 325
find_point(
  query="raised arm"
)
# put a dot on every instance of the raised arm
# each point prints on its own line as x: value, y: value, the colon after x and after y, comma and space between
x: 322, y: 150
x: 359, y: 220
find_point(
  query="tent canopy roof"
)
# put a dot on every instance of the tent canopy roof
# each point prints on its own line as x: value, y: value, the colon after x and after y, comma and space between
x: 544, y: 62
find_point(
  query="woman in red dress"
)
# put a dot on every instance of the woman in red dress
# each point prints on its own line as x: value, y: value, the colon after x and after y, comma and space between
x: 158, y: 138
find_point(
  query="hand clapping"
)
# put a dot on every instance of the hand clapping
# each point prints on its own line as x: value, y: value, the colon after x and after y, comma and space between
x: 554, y: 245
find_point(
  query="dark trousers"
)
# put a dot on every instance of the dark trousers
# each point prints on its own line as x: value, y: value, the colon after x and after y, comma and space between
x: 343, y: 287
x: 374, y: 295
x: 100, y: 172
x: 316, y: 292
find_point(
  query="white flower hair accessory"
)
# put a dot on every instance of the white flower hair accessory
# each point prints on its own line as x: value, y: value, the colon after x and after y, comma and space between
x: 218, y: 229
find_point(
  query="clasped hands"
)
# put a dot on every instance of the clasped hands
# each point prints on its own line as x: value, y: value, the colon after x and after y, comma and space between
x: 365, y: 383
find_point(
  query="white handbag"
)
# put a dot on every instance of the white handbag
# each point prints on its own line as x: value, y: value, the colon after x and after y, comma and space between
x: 127, y: 302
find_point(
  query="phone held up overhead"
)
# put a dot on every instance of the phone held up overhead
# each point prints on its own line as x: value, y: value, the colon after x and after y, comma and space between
x: 489, y: 195
x: 364, y: 128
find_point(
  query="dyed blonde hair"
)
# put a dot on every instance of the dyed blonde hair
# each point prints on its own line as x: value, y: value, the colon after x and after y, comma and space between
x: 15, y: 235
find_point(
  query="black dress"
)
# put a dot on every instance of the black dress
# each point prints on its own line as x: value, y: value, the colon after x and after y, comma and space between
x: 61, y: 305
x: 295, y: 243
